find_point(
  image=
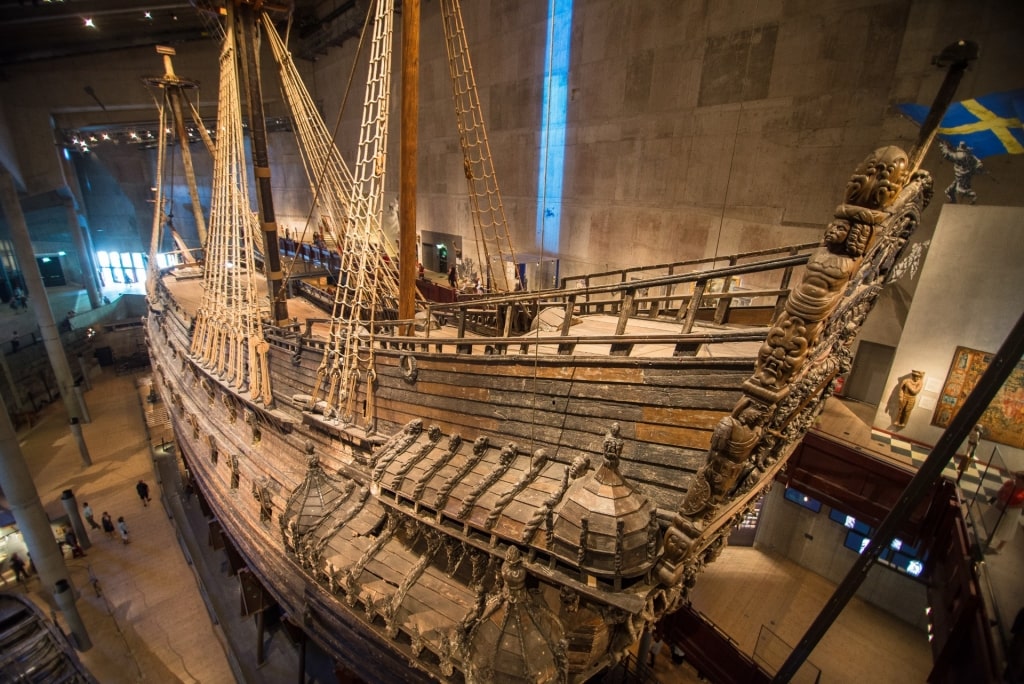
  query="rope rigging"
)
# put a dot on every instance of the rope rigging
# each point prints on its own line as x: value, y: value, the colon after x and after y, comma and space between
x: 228, y: 335
x: 494, y: 244
x: 367, y: 287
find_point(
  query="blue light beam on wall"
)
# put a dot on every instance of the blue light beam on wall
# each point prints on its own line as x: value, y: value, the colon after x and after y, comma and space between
x: 555, y: 103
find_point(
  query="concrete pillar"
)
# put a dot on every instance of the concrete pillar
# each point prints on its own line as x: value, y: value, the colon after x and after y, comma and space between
x: 83, y: 365
x: 70, y: 503
x: 65, y: 598
x: 85, y: 257
x: 82, y: 406
x: 40, y: 306
x: 76, y: 432
x: 16, y: 482
x: 19, y: 404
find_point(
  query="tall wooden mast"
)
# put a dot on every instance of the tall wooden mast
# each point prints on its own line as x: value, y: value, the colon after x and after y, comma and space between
x: 245, y: 16
x: 407, y: 159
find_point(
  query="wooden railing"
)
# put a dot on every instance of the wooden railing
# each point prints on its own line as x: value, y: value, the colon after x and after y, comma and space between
x: 496, y: 324
x: 508, y: 314
x: 623, y: 275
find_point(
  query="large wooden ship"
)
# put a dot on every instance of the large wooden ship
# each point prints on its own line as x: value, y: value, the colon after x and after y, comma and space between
x: 514, y: 486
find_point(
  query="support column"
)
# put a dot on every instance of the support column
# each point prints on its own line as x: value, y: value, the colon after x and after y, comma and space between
x: 261, y: 621
x: 83, y: 365
x: 65, y: 598
x: 80, y: 398
x: 19, y: 404
x: 40, y: 306
x: 22, y: 497
x: 85, y: 259
x: 70, y: 503
x: 76, y: 432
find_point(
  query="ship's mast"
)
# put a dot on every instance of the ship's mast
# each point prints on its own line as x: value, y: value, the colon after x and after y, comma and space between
x: 173, y: 88
x: 407, y: 159
x: 245, y: 16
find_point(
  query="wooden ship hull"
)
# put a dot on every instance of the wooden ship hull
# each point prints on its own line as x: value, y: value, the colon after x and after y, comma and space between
x: 395, y: 537
x: 511, y: 487
x: 33, y: 649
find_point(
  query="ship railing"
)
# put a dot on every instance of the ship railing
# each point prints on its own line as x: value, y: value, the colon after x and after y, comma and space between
x: 625, y: 275
x: 388, y: 336
x: 683, y: 298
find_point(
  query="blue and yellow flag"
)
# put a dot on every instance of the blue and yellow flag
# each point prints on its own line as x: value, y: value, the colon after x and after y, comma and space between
x: 991, y: 124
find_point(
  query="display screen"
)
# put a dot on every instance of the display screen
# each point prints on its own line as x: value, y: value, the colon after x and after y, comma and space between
x: 802, y: 499
x: 899, y: 556
x: 849, y: 522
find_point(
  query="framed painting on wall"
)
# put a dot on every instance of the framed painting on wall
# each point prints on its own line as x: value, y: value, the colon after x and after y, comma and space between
x: 1003, y: 420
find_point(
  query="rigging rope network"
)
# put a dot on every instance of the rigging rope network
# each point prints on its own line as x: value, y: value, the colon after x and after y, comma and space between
x: 228, y: 336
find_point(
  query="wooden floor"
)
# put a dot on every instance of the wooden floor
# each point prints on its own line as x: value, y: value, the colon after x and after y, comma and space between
x: 746, y: 591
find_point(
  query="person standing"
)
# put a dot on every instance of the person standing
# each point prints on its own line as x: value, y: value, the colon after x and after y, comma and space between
x: 143, y: 489
x: 453, y: 278
x: 122, y: 526
x: 71, y: 539
x: 88, y: 515
x: 107, y: 524
x: 656, y: 645
x: 18, y: 566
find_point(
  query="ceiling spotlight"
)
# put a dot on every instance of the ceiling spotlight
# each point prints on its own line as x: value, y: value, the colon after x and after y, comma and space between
x: 89, y: 23
x: 106, y: 136
x: 147, y: 15
x: 133, y: 135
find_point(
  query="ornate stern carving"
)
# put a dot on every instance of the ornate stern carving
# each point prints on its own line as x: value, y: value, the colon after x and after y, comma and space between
x: 231, y: 406
x: 517, y: 638
x: 253, y: 421
x: 603, y: 523
x: 804, y: 349
x: 383, y: 458
x: 261, y: 492
x: 543, y: 514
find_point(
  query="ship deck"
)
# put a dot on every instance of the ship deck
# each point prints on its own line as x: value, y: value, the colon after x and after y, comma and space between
x: 591, y: 333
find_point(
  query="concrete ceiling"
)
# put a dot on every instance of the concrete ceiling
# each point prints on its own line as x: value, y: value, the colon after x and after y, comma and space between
x: 34, y: 30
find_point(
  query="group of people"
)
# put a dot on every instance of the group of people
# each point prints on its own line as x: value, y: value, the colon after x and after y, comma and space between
x: 657, y: 641
x: 106, y: 522
x: 69, y: 541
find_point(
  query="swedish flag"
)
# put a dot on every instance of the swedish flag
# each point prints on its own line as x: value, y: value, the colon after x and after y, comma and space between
x: 991, y: 124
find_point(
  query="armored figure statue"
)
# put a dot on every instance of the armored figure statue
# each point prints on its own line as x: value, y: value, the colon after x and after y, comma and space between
x: 965, y: 166
x: 731, y: 443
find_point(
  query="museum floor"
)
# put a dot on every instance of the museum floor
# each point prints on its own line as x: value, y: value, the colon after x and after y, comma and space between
x: 149, y: 620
